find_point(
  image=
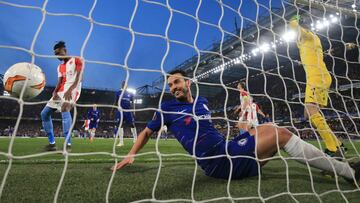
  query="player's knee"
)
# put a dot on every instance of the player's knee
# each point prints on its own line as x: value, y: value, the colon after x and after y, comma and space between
x: 284, y: 135
x: 44, y: 114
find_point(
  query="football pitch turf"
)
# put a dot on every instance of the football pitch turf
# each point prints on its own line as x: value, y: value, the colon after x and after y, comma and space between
x: 36, y: 178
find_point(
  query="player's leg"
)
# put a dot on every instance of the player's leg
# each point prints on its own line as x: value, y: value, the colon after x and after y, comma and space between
x: 134, y: 133
x: 48, y: 126
x: 315, y: 97
x: 121, y: 136
x: 243, y: 123
x: 130, y: 119
x: 270, y: 138
x: 66, y: 122
x: 92, y: 134
x: 119, y: 128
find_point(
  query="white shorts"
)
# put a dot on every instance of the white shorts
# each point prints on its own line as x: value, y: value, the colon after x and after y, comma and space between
x: 246, y: 118
x: 57, y: 104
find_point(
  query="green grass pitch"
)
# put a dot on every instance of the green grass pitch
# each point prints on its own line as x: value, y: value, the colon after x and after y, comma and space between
x: 35, y: 179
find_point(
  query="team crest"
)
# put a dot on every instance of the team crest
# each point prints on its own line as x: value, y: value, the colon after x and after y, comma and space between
x: 187, y: 120
x: 242, y: 142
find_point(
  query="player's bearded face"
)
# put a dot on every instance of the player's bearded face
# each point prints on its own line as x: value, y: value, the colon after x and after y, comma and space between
x: 178, y: 87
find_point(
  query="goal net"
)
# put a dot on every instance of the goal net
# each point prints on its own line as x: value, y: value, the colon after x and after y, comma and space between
x: 219, y: 44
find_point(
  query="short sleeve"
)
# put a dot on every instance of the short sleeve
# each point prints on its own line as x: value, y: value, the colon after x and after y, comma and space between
x: 78, y: 64
x: 58, y: 71
x: 155, y: 123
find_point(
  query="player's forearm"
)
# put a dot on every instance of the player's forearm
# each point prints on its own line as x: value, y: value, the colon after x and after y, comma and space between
x: 141, y: 141
x: 57, y: 85
x: 303, y: 32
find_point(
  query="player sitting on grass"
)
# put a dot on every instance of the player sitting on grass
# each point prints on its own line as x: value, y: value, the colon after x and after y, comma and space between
x: 253, y: 146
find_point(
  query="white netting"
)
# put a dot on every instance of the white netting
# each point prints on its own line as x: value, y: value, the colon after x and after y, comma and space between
x: 257, y: 53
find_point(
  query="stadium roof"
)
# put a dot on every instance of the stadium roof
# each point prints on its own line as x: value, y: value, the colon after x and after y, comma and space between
x: 252, y: 40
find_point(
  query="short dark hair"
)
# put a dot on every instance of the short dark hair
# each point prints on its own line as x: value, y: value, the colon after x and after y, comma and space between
x: 243, y: 85
x: 181, y: 72
x: 59, y: 44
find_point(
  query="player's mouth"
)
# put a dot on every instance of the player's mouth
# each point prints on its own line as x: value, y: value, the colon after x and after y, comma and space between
x: 178, y: 93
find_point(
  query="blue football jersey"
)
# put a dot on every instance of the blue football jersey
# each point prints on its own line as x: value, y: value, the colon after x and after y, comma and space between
x: 125, y: 100
x: 93, y: 115
x: 180, y: 120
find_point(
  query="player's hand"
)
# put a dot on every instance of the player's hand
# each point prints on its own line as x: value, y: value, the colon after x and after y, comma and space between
x: 126, y: 161
x: 55, y: 96
x: 350, y: 46
x: 67, y: 95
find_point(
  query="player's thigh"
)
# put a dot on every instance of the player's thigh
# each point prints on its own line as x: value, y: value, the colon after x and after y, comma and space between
x: 317, y: 95
x: 66, y: 106
x: 269, y: 138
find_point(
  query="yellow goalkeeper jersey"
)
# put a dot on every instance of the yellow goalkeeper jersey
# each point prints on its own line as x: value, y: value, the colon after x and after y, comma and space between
x: 311, y: 54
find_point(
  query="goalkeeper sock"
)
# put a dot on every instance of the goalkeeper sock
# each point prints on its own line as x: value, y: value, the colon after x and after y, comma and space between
x: 319, y: 122
x: 66, y: 124
x: 133, y: 132
x: 298, y: 148
x: 47, y: 123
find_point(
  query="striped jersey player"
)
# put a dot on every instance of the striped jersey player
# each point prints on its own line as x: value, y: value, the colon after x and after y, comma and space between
x: 66, y: 92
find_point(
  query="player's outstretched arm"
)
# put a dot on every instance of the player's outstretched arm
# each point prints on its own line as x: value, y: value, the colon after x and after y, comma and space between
x: 140, y: 142
x: 238, y: 109
x: 261, y: 113
x: 304, y: 33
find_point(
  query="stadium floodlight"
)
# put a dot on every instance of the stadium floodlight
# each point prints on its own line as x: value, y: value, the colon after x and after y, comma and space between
x: 288, y: 36
x: 333, y: 19
x: 138, y: 101
x: 264, y: 47
x: 255, y: 51
x: 131, y: 90
x: 319, y: 26
x: 326, y: 22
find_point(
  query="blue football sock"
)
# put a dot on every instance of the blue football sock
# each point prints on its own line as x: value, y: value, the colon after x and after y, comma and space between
x: 66, y: 123
x: 47, y: 123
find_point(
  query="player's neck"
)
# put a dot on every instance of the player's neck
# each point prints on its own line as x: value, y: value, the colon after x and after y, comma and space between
x: 189, y: 98
x: 66, y: 59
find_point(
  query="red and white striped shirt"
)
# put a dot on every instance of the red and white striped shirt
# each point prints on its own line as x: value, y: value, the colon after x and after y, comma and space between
x: 67, y: 71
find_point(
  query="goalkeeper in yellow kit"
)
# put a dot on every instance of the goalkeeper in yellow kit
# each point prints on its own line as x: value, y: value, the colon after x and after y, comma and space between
x: 318, y: 81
